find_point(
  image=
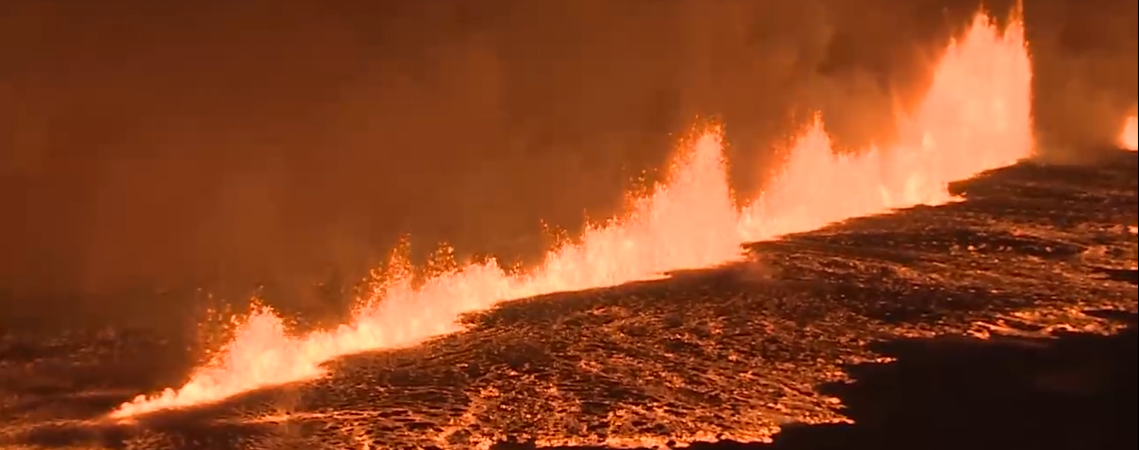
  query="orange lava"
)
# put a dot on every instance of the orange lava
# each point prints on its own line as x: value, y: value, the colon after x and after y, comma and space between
x: 1130, y: 136
x: 976, y: 116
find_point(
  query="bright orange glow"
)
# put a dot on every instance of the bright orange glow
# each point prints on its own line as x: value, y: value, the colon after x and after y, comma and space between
x: 975, y: 117
x: 1130, y: 136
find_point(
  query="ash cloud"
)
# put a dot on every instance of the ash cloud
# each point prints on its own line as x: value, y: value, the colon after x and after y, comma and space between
x: 152, y: 145
x: 1084, y: 56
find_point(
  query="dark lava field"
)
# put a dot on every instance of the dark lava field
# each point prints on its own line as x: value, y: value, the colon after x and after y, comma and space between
x: 1001, y: 321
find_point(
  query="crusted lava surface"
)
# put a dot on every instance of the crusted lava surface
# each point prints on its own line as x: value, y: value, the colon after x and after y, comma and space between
x: 975, y: 323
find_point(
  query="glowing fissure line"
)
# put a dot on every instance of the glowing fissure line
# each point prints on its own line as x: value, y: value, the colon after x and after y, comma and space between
x: 976, y: 117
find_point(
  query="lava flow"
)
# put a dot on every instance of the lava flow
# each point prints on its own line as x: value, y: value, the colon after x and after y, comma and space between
x: 976, y: 116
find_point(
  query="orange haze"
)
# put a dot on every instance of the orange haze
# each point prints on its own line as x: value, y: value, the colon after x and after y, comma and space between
x: 975, y: 116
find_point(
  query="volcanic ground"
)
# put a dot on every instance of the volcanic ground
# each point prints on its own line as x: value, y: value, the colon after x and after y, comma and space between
x: 997, y: 322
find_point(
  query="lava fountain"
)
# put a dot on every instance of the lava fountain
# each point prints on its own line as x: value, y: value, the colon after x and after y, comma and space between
x: 1129, y: 139
x: 975, y: 117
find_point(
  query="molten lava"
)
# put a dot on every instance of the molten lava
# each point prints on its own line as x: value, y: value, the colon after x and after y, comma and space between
x: 976, y: 116
x: 1130, y: 136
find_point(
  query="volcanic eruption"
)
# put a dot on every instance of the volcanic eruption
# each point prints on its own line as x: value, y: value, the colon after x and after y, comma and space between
x: 975, y: 117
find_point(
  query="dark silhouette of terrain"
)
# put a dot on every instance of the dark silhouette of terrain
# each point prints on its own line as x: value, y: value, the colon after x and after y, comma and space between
x: 1072, y: 392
